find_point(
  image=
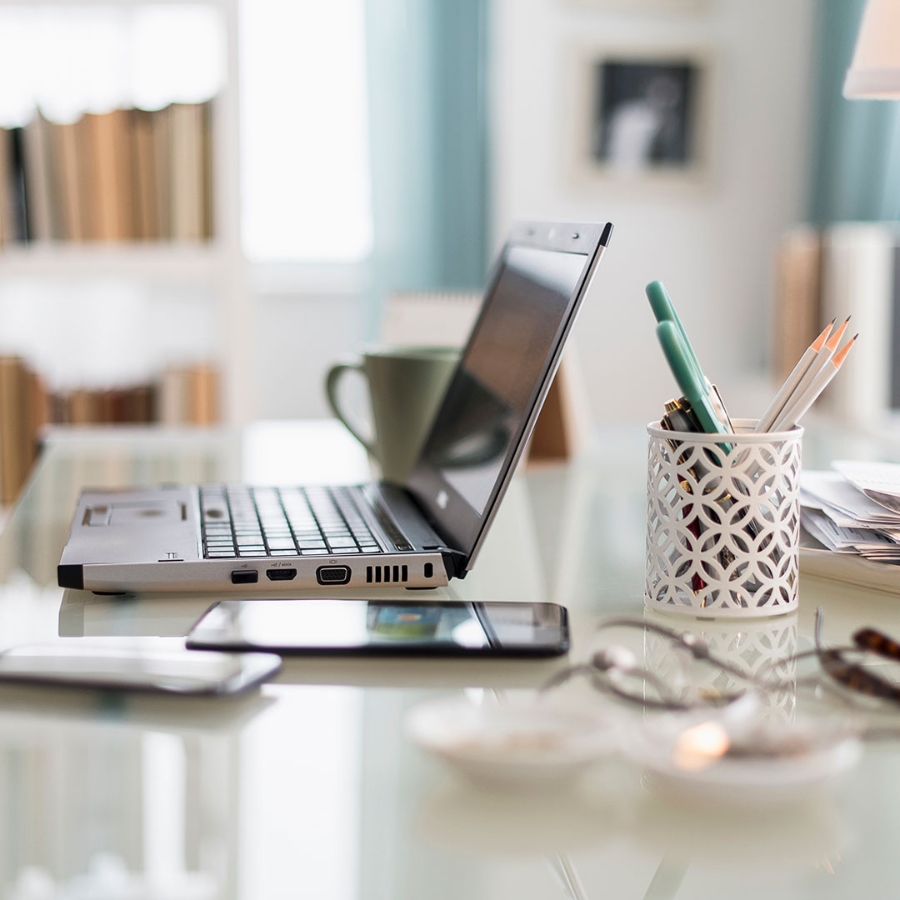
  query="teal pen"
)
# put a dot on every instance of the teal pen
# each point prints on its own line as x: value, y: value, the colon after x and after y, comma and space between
x: 693, y: 387
x: 664, y: 310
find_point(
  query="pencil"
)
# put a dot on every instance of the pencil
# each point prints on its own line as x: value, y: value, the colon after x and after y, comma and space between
x: 793, y: 380
x: 798, y: 407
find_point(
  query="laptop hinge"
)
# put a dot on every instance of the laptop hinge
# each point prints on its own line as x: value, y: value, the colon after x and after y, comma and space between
x: 454, y: 562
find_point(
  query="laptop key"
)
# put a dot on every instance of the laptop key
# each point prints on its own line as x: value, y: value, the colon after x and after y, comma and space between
x: 281, y: 544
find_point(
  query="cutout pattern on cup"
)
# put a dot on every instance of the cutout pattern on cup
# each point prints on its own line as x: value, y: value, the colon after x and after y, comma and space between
x: 723, y: 528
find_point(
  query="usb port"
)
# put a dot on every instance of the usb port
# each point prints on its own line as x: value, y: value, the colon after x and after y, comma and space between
x: 245, y: 576
x: 281, y: 574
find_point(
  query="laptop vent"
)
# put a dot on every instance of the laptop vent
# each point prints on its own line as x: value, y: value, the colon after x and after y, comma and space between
x: 387, y: 574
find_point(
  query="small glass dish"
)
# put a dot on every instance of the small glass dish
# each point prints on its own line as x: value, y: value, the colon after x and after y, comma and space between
x: 749, y: 761
x: 529, y: 742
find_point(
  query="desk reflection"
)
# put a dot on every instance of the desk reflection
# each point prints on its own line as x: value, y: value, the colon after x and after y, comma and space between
x: 108, y: 796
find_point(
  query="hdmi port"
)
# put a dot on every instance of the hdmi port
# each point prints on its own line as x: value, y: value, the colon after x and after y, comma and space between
x: 281, y: 574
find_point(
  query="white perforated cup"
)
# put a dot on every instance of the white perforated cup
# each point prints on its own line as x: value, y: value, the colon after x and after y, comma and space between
x: 723, y: 527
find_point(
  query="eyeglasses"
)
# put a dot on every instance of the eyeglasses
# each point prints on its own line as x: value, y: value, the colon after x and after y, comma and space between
x: 850, y: 666
x: 615, y: 670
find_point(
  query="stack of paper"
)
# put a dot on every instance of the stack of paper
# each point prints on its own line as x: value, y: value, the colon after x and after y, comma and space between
x: 855, y: 509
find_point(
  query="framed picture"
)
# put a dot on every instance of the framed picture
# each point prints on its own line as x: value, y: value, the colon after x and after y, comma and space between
x: 643, y: 114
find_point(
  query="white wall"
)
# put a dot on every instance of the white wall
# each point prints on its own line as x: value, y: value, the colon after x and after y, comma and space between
x: 712, y: 247
x: 299, y: 338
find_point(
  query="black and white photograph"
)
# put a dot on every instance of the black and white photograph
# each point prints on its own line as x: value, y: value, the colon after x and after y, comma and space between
x: 645, y: 114
x: 642, y: 115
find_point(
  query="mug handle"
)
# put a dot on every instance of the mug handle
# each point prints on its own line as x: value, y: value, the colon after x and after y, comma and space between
x: 334, y: 376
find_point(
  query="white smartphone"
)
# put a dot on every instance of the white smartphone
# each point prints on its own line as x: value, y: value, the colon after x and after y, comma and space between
x: 143, y: 664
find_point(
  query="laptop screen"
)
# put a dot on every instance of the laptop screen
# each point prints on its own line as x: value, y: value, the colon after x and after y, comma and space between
x: 492, y: 402
x: 494, y: 389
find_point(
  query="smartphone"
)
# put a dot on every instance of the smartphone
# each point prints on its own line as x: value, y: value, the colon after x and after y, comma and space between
x: 332, y: 626
x: 135, y: 665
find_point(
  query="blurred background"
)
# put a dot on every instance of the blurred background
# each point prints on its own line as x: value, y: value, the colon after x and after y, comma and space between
x: 211, y: 202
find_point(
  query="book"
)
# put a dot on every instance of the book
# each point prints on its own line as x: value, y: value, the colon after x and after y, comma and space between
x: 857, y: 280
x: 126, y: 202
x: 21, y: 417
x: 66, y: 151
x: 119, y: 176
x: 19, y: 212
x: 160, y: 122
x: 429, y: 318
x: 110, y: 175
x: 145, y: 190
x: 87, y: 192
x: 10, y: 423
x: 189, y: 395
x: 7, y: 231
x: 173, y: 396
x: 187, y: 171
x: 561, y: 431
x: 203, y: 394
x: 38, y: 189
x: 82, y: 407
x: 797, y: 314
x: 208, y: 187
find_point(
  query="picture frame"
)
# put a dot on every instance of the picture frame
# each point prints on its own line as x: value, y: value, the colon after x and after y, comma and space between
x: 642, y: 115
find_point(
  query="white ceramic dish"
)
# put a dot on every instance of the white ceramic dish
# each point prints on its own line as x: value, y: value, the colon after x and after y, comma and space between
x: 528, y: 742
x: 813, y: 753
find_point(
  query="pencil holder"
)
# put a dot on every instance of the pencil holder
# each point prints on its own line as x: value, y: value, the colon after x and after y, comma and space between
x: 723, y: 522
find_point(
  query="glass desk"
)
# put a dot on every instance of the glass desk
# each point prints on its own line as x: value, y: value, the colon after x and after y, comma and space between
x: 308, y: 787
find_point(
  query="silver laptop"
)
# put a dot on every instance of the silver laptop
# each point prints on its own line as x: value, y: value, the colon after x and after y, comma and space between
x: 240, y: 538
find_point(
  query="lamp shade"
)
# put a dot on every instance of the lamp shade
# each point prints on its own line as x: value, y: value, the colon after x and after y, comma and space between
x: 875, y: 72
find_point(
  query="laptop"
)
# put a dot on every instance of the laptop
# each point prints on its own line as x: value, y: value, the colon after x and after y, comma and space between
x: 240, y: 538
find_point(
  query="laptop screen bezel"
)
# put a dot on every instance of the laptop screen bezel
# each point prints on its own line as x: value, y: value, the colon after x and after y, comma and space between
x: 459, y: 524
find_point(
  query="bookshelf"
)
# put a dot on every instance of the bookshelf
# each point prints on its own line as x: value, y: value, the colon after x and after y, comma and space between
x: 159, y: 263
x: 214, y: 268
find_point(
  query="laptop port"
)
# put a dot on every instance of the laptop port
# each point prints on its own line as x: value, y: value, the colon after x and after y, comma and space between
x: 333, y: 574
x: 245, y: 576
x: 281, y: 574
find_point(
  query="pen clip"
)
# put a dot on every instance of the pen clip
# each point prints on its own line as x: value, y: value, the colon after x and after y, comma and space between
x: 718, y: 405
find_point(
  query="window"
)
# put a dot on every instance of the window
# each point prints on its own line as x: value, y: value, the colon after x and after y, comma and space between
x: 304, y: 147
x: 84, y: 58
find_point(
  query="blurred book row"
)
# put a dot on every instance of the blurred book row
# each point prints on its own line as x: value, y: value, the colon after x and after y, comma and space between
x: 846, y: 269
x: 125, y: 175
x: 182, y: 395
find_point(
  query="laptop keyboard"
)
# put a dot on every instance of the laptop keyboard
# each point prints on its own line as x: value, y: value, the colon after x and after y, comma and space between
x: 241, y: 522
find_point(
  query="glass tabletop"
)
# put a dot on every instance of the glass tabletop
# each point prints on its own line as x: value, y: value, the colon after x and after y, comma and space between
x: 311, y: 787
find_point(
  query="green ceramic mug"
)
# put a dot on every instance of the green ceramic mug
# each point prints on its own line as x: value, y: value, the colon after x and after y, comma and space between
x: 406, y: 386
